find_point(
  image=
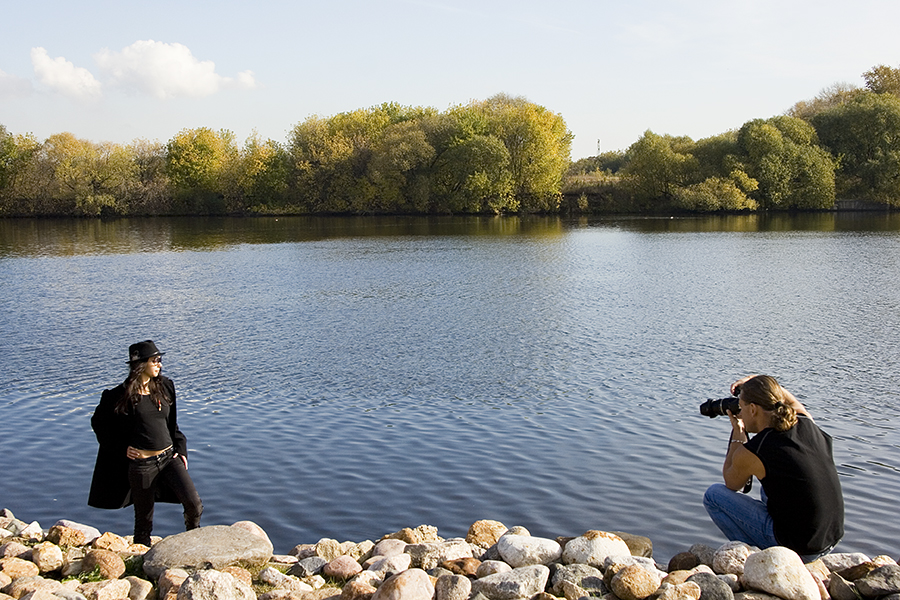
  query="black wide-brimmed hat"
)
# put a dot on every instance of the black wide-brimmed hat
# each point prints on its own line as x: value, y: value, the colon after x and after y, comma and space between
x: 142, y: 351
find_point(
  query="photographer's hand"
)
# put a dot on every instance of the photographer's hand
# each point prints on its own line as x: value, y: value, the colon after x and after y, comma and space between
x: 740, y: 464
x: 737, y: 429
x: 735, y: 387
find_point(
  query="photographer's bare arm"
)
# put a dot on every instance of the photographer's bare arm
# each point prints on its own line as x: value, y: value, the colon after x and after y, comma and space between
x: 740, y: 464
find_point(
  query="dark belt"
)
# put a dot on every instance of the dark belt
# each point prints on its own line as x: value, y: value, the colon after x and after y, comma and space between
x: 167, y: 453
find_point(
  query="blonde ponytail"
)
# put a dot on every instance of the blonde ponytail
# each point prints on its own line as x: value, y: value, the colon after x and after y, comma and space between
x: 765, y: 392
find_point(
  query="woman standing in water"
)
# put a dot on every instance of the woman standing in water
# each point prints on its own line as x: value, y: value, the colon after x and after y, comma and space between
x: 143, y: 455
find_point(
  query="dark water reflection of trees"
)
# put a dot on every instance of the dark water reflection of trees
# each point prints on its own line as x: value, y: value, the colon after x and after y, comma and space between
x: 69, y: 237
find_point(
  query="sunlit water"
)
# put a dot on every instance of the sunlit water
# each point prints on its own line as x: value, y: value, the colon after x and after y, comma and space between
x: 346, y: 378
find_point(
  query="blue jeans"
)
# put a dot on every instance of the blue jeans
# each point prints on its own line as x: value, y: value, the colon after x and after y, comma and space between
x: 740, y: 517
x: 745, y: 519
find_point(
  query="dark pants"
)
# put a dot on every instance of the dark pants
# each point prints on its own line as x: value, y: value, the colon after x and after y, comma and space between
x: 144, y: 475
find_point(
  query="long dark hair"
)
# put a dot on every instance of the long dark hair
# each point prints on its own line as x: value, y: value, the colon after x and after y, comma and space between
x: 130, y: 398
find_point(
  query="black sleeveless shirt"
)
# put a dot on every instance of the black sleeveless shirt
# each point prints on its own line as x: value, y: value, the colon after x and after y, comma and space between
x: 151, y: 425
x: 802, y: 486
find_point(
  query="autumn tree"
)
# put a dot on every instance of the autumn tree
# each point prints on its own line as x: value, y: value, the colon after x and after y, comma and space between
x: 200, y: 166
x: 264, y: 174
x: 539, y: 146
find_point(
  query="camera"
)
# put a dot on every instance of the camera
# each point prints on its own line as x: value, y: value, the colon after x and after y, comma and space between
x: 716, y: 408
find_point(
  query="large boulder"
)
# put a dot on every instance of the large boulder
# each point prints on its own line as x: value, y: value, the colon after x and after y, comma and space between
x: 780, y: 571
x: 523, y: 550
x: 593, y: 548
x: 216, y: 547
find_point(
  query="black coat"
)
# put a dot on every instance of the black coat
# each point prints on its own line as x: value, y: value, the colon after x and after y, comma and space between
x: 109, y: 486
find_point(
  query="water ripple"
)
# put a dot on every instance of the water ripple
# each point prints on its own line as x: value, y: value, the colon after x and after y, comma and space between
x: 349, y: 386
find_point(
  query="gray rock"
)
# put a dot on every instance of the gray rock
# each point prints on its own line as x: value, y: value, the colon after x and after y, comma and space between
x: 308, y: 566
x: 711, y: 587
x: 517, y: 584
x: 215, y: 585
x: 589, y: 578
x: 880, y: 582
x: 624, y: 560
x: 844, y: 560
x: 452, y: 587
x: 841, y: 589
x: 732, y: 581
x: 214, y: 547
x: 730, y: 558
x: 431, y: 554
x: 391, y: 565
x: 704, y: 553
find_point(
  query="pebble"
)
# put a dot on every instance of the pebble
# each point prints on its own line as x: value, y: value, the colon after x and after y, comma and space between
x: 493, y: 562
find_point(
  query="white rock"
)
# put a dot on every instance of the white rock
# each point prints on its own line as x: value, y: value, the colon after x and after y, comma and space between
x: 32, y: 531
x: 593, y: 548
x: 390, y: 565
x: 780, y: 571
x: 521, y: 551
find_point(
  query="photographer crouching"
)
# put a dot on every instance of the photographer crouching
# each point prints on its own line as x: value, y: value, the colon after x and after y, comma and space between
x: 801, y: 504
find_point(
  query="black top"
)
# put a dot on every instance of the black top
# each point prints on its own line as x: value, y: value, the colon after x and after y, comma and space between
x: 115, y: 432
x: 151, y: 425
x: 802, y: 487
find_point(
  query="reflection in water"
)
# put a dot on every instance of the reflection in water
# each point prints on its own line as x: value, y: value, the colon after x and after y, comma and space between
x: 69, y: 237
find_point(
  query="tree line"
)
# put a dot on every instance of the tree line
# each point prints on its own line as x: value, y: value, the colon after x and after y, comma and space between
x: 844, y: 143
x: 500, y: 155
x: 504, y: 154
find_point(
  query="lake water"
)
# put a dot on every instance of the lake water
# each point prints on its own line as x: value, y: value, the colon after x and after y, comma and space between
x: 346, y: 378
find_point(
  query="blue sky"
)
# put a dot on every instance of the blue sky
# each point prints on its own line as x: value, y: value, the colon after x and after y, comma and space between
x: 120, y: 71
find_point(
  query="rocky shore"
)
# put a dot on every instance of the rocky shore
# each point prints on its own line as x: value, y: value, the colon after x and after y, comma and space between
x: 72, y: 561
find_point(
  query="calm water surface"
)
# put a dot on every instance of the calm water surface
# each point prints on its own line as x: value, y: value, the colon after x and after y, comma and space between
x: 346, y: 378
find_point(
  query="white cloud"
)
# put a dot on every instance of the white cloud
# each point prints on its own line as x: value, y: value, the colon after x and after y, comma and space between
x: 63, y: 76
x: 12, y: 86
x: 167, y: 71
